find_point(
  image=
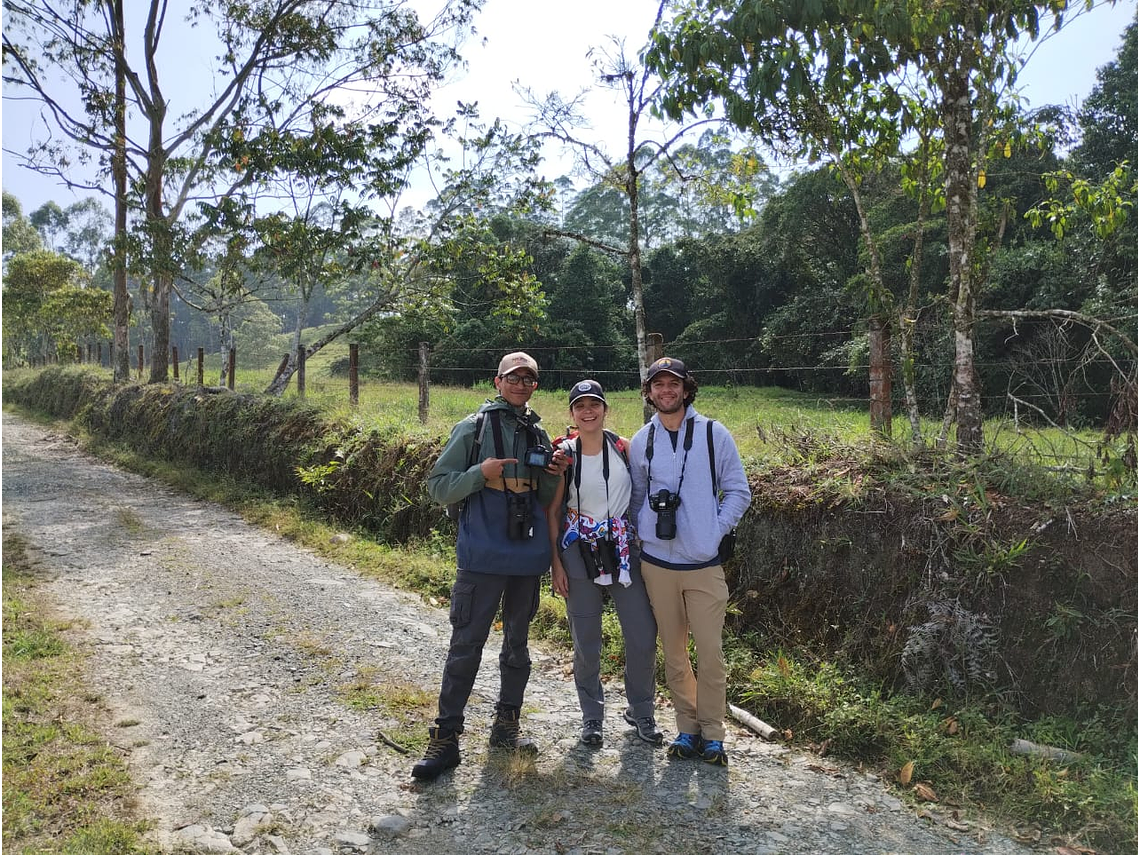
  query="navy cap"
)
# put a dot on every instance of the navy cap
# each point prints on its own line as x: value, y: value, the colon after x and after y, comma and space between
x: 673, y: 366
x: 587, y: 389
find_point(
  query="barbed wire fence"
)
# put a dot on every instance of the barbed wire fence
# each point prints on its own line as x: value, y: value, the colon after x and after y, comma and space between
x: 1050, y: 381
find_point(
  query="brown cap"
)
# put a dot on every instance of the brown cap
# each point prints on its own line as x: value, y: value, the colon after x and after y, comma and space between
x: 514, y: 361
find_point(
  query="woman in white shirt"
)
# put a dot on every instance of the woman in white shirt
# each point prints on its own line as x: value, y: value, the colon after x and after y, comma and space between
x: 595, y: 553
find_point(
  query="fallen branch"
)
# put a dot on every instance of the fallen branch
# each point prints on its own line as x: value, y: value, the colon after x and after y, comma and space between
x: 1059, y: 755
x: 387, y: 740
x: 765, y: 730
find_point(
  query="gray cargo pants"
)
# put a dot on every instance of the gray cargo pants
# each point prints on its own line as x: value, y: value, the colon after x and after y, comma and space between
x: 475, y: 599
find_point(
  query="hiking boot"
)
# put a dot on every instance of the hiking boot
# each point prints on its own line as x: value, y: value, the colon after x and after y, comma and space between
x: 646, y: 727
x: 505, y: 731
x: 442, y: 754
x: 592, y: 732
x: 713, y: 752
x: 685, y: 746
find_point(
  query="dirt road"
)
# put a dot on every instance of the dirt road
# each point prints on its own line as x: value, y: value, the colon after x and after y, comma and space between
x: 225, y: 651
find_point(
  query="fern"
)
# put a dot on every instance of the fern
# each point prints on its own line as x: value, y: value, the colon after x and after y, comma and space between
x: 955, y: 648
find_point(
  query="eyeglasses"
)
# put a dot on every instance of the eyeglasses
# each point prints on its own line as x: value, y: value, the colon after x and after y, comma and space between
x: 523, y: 379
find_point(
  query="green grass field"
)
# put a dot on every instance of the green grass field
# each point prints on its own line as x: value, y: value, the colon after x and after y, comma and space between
x: 771, y: 425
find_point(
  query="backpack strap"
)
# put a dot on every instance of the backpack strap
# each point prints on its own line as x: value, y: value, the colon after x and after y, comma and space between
x: 474, y: 455
x: 619, y: 446
x: 497, y: 433
x: 712, y: 458
x: 454, y: 511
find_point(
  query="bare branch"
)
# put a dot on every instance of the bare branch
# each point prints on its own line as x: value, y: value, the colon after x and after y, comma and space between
x: 1060, y: 314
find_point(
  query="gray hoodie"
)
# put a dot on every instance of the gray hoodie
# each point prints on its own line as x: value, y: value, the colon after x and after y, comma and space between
x: 701, y: 521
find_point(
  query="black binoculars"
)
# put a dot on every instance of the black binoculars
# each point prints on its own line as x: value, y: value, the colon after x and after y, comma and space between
x: 519, y: 523
x: 599, y: 557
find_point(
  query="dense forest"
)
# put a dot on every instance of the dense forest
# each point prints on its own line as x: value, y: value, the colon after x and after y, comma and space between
x: 755, y: 279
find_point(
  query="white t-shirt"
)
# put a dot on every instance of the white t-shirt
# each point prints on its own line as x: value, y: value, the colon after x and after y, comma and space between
x: 593, y: 501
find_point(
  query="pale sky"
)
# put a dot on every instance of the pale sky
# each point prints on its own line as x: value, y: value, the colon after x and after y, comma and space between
x: 544, y: 45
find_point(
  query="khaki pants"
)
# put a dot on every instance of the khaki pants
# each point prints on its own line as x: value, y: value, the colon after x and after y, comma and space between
x: 693, y: 601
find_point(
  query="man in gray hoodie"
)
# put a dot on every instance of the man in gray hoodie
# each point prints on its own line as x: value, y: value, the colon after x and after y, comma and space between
x: 689, y: 491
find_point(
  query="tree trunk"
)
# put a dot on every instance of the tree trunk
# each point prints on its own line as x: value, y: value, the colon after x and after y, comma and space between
x: 120, y: 355
x: 879, y: 300
x: 961, y: 222
x: 160, y: 324
x: 909, y: 319
x: 160, y: 236
x: 880, y: 381
x: 635, y: 270
x: 289, y: 365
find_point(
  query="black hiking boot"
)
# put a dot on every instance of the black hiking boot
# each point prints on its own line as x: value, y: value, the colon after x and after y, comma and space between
x: 505, y: 731
x: 442, y: 754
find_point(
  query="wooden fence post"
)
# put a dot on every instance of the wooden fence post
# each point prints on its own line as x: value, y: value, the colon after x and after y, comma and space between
x: 99, y: 346
x: 423, y: 381
x: 655, y: 346
x: 201, y: 366
x: 232, y: 367
x: 79, y: 353
x: 140, y: 361
x: 89, y: 351
x: 174, y: 361
x: 879, y: 338
x: 353, y: 373
x: 301, y: 371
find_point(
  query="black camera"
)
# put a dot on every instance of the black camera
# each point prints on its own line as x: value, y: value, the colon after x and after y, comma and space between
x: 538, y: 456
x: 599, y: 557
x: 665, y: 504
x: 519, y: 525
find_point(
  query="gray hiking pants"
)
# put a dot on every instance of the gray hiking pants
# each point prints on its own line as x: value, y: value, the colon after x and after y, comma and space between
x: 638, y: 629
x: 475, y: 599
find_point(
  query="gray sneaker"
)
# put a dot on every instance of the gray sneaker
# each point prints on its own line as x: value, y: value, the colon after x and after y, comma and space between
x: 646, y: 728
x: 592, y: 732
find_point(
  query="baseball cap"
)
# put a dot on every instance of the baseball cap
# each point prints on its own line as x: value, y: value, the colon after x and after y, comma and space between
x: 673, y: 366
x: 587, y: 389
x: 514, y: 361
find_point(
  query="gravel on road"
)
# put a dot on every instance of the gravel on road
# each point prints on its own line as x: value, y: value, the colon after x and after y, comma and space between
x: 223, y: 652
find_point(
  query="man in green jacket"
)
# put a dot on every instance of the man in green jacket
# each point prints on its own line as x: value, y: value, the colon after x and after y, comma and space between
x: 503, y: 477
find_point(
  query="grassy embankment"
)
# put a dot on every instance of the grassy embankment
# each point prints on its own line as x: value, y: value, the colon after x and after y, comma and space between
x: 958, y: 747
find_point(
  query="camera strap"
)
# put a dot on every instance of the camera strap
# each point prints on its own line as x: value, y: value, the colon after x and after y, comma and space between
x: 684, y: 460
x: 500, y: 452
x: 605, y: 478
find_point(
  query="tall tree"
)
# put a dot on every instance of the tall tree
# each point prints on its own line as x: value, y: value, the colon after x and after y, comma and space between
x: 562, y: 120
x: 47, y: 307
x: 19, y: 234
x: 370, y: 63
x: 964, y: 54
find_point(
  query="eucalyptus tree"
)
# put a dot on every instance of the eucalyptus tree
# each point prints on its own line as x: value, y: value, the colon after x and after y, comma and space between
x: 755, y: 55
x: 370, y: 63
x: 19, y: 234
x: 562, y: 119
x: 50, y: 221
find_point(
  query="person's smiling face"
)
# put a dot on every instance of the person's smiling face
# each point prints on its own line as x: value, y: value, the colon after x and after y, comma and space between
x: 667, y: 393
x: 514, y: 387
x: 589, y: 414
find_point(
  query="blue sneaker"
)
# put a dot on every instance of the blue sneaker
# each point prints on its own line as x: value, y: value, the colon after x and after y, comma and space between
x: 712, y: 751
x: 686, y: 746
